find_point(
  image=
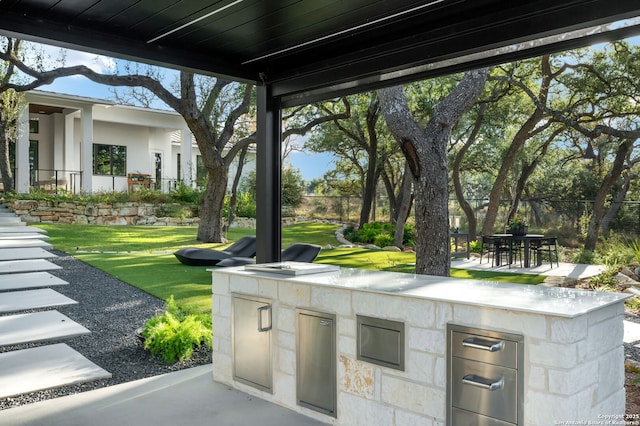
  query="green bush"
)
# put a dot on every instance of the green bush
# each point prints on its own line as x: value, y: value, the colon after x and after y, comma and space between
x: 174, y: 333
x: 606, y: 281
x: 475, y: 246
x: 383, y: 240
x: 186, y: 195
x: 616, y: 250
x: 292, y: 186
x: 246, y: 205
x: 380, y: 234
x: 584, y: 256
x: 144, y: 195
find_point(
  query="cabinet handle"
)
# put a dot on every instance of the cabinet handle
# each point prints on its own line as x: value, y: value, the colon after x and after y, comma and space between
x: 261, y: 309
x: 485, y: 345
x: 481, y: 382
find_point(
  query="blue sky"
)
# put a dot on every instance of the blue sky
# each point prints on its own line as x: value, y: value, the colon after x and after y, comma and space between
x: 310, y: 165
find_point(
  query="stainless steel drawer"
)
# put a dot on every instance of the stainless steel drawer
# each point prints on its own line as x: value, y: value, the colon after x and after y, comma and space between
x: 467, y: 418
x: 484, y: 348
x: 485, y: 389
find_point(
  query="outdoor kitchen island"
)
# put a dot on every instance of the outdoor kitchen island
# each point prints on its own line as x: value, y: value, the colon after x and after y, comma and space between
x: 358, y: 347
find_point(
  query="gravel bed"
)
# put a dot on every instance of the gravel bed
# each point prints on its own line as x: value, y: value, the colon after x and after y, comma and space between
x: 112, y: 310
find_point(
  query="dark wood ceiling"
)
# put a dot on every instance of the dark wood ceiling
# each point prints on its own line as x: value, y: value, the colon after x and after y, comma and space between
x: 44, y: 109
x: 311, y: 49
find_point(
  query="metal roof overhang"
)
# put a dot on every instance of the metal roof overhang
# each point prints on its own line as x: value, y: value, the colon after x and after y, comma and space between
x: 309, y: 50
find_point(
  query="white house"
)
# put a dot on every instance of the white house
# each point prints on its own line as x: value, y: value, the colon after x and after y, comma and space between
x: 82, y: 144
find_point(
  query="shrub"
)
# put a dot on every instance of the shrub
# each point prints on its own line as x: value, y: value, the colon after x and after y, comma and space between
x: 584, y: 256
x: 380, y: 234
x: 615, y: 250
x: 475, y: 246
x: 383, y: 240
x: 174, y: 333
x: 246, y: 205
x: 606, y: 281
x: 187, y: 195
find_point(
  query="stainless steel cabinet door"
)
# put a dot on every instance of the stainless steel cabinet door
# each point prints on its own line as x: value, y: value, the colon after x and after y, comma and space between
x: 316, y: 381
x: 252, y: 342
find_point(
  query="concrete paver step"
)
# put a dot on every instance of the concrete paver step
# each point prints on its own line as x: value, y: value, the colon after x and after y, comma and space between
x: 25, y: 253
x: 18, y: 243
x: 631, y: 332
x: 28, y: 280
x: 23, y: 236
x: 38, y: 327
x: 16, y: 301
x: 10, y: 219
x: 26, y: 265
x: 45, y: 367
x: 21, y: 229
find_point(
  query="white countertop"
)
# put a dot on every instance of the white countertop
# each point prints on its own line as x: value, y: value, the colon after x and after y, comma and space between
x: 537, y: 299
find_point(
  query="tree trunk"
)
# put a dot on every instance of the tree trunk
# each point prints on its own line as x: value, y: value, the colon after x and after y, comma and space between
x: 603, y: 192
x: 373, y: 172
x: 403, y: 207
x: 611, y: 213
x: 391, y: 196
x: 369, y: 192
x: 426, y: 153
x: 5, y: 165
x: 233, y: 199
x: 211, y: 230
x: 9, y: 106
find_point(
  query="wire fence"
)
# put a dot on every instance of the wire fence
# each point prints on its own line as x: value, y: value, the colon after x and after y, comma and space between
x: 539, y: 214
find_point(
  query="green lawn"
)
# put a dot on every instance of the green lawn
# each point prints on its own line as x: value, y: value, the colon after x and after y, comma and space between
x: 130, y: 253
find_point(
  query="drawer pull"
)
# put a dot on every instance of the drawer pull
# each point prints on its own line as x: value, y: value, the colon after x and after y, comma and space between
x: 481, y: 382
x: 485, y: 345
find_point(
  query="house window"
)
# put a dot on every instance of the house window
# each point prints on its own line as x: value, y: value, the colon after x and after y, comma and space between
x: 179, y: 169
x: 33, y: 156
x: 109, y: 160
x: 34, y: 126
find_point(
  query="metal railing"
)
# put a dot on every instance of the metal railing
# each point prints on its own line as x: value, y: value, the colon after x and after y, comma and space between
x: 56, y: 180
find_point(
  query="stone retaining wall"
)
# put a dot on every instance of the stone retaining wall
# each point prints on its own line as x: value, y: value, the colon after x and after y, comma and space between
x: 32, y: 211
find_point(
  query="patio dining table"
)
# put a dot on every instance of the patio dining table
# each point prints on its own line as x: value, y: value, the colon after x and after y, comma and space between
x: 526, y: 240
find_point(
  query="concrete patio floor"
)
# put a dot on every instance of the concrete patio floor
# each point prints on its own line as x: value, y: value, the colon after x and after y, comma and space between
x: 567, y: 270
x: 185, y: 397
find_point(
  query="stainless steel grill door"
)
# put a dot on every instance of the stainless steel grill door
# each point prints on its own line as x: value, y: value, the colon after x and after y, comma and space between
x: 252, y: 342
x: 316, y: 359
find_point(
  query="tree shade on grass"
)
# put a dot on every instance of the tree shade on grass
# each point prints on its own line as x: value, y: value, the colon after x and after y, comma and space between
x: 159, y: 275
x: 126, y: 253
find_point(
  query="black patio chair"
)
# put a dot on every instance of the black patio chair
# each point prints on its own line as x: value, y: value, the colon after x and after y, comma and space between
x: 548, y: 246
x: 244, y: 247
x: 298, y: 252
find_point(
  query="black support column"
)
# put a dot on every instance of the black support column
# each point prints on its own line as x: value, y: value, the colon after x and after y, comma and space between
x: 268, y: 175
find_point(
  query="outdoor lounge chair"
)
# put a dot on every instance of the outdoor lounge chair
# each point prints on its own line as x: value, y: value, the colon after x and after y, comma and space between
x: 244, y: 247
x: 298, y: 252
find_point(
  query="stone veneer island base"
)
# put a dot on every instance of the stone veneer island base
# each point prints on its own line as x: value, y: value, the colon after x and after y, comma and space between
x: 571, y: 352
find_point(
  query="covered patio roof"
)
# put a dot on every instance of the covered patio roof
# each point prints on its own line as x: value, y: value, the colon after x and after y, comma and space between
x: 299, y: 51
x: 315, y: 49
